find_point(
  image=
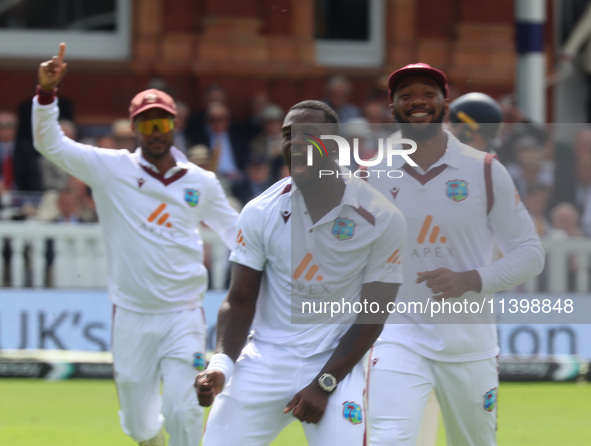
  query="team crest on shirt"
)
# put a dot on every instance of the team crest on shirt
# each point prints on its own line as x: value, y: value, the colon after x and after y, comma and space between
x: 343, y: 228
x: 199, y: 361
x: 394, y: 191
x: 352, y: 412
x: 192, y: 197
x: 457, y: 190
x: 490, y: 400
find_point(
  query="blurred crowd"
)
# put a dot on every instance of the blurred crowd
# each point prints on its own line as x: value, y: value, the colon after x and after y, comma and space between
x: 553, y: 179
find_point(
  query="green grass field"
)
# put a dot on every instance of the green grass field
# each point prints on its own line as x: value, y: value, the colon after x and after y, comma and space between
x: 77, y: 412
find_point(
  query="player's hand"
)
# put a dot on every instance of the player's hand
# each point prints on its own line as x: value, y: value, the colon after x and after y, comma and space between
x: 445, y: 283
x: 308, y: 404
x: 208, y: 384
x: 52, y: 71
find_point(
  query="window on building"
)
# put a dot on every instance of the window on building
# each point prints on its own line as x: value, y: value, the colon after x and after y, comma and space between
x: 349, y: 32
x: 91, y: 29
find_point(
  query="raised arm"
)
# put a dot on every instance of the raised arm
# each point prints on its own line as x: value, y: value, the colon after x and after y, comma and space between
x: 51, y: 72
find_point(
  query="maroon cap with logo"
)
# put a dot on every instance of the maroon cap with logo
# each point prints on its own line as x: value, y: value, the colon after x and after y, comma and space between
x: 151, y: 99
x: 417, y: 69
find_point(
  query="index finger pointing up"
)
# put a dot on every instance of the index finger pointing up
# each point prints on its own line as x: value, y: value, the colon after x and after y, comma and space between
x: 60, y: 56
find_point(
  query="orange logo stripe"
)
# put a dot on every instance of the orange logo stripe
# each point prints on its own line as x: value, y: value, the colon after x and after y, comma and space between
x: 434, y: 234
x: 425, y: 228
x: 302, y: 266
x: 311, y: 272
x: 393, y: 257
x: 155, y: 214
x: 162, y: 219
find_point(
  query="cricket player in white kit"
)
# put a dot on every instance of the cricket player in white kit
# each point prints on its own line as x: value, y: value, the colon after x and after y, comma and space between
x: 150, y: 204
x: 304, y: 240
x: 457, y: 202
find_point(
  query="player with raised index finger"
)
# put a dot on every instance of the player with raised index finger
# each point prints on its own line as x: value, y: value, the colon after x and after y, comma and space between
x: 150, y: 203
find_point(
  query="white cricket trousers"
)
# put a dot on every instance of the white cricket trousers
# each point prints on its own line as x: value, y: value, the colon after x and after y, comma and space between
x: 400, y: 381
x: 249, y: 412
x: 154, y: 349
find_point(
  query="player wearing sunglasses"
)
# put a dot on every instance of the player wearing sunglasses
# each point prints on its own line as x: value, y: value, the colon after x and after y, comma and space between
x: 150, y: 203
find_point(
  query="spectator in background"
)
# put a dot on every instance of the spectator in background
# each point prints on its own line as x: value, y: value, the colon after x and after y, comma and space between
x: 573, y: 170
x: 253, y: 124
x: 106, y: 142
x: 227, y: 149
x: 530, y: 166
x: 536, y: 203
x: 258, y: 178
x: 197, y: 129
x: 180, y: 125
x: 268, y: 142
x: 67, y: 213
x: 338, y: 92
x: 199, y: 155
x: 516, y: 125
x: 378, y: 117
x: 8, y: 123
x: 26, y: 159
x: 564, y: 219
x: 123, y: 135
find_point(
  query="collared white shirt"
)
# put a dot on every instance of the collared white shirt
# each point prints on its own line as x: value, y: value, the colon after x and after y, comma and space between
x: 449, y: 226
x: 149, y: 221
x: 306, y: 263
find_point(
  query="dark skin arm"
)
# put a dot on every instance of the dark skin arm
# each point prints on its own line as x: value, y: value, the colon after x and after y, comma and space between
x: 234, y: 321
x: 309, y: 404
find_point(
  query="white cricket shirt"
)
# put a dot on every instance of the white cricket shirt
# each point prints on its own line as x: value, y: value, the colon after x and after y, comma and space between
x: 449, y: 226
x: 357, y: 242
x: 149, y: 221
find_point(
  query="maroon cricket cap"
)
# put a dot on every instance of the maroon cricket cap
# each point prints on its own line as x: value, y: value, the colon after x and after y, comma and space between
x: 417, y: 69
x: 151, y: 98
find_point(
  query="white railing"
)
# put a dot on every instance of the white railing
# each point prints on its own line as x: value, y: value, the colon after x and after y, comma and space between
x: 575, y: 251
x: 79, y: 255
x: 80, y: 258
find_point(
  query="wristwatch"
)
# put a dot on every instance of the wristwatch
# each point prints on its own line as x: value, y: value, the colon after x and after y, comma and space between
x: 327, y: 382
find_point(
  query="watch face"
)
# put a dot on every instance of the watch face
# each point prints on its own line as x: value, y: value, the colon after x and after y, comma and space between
x: 327, y: 382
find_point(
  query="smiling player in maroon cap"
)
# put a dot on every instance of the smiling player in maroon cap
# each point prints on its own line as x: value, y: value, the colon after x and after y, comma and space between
x: 458, y: 203
x: 150, y: 203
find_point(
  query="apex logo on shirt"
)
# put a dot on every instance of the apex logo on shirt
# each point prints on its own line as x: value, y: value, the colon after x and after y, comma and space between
x: 431, y: 243
x: 140, y: 182
x: 394, y: 191
x: 160, y: 218
x: 240, y: 238
x: 394, y: 259
x: 457, y: 190
x: 310, y: 273
x: 352, y: 412
x: 433, y: 236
